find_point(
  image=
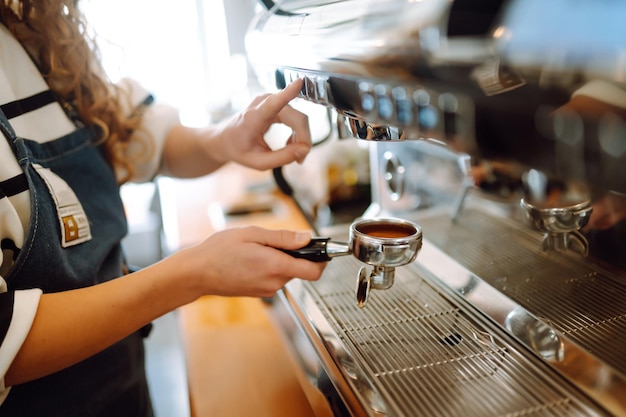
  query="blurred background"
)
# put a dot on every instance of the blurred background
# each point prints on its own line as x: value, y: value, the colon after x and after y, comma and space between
x: 189, y: 53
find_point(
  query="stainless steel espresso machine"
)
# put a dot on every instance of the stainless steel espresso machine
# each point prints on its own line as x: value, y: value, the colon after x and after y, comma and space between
x: 499, y: 127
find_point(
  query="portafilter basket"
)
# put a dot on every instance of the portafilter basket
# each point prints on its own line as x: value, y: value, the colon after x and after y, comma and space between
x: 384, y: 243
x: 560, y: 224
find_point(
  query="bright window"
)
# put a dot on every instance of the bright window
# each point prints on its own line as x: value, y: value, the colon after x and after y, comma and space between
x: 177, y: 50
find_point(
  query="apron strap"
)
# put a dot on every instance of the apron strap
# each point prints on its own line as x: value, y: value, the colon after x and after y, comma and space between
x: 7, y: 131
x: 19, y: 107
x: 6, y: 128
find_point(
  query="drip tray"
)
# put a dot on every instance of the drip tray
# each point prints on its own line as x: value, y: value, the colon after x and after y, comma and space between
x: 418, y: 350
x: 576, y: 298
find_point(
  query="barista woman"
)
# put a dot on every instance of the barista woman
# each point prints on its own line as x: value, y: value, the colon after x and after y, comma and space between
x: 72, y: 319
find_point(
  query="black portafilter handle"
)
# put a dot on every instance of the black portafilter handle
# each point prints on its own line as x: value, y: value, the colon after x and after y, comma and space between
x: 319, y: 249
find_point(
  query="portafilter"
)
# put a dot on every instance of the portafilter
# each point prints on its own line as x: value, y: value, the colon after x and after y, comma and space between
x: 384, y: 243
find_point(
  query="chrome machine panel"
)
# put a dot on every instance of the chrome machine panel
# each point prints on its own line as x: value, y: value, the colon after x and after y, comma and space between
x: 499, y: 126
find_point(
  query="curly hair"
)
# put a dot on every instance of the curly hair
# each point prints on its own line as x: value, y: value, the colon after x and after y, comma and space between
x: 56, y: 35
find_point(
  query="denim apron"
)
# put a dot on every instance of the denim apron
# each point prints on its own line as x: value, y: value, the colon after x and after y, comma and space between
x: 113, y: 382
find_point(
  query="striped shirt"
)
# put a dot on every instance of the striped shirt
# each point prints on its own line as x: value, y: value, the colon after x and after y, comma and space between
x: 20, y: 79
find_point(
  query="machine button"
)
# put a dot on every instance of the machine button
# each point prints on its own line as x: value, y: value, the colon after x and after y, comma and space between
x: 427, y: 117
x: 322, y: 92
x: 385, y: 107
x: 421, y: 98
x: 404, y: 112
x: 368, y: 103
x: 305, y: 87
x: 311, y: 90
x: 448, y: 103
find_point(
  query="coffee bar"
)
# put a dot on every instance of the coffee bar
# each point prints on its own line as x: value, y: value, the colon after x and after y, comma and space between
x: 484, y: 273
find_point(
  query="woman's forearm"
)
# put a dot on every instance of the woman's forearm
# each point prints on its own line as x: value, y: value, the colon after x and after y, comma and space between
x: 192, y: 152
x: 73, y: 325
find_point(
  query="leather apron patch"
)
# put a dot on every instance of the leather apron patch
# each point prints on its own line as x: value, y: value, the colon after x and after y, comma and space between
x: 72, y: 218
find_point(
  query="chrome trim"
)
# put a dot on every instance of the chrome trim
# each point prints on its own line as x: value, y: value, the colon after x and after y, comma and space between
x: 564, y: 355
x: 338, y: 363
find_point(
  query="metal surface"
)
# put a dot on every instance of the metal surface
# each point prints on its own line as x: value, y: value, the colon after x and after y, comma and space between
x: 581, y: 302
x: 417, y: 350
x: 556, y: 321
x: 560, y: 287
x: 493, y: 317
x: 560, y: 225
x: 385, y: 242
x: 493, y: 79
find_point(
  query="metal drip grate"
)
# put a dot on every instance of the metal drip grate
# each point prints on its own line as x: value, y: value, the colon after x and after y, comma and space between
x: 575, y: 298
x: 427, y: 356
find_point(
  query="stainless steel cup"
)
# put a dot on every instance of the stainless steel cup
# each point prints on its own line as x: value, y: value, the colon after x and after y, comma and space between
x: 384, y: 243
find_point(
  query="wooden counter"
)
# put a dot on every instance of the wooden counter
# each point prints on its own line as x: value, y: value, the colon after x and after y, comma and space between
x: 238, y: 363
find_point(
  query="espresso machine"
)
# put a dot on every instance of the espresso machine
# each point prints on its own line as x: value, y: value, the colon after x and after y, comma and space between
x: 498, y: 127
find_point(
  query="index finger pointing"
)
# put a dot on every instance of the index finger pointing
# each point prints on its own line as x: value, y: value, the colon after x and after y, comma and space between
x: 275, y: 102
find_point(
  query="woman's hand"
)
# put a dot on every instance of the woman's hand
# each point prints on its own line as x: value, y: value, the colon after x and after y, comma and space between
x: 245, y: 262
x: 73, y: 325
x: 243, y: 133
x: 192, y: 152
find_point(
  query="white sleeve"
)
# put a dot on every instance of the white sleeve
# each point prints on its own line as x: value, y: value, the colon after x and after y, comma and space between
x: 158, y: 120
x: 22, y: 315
x: 604, y: 91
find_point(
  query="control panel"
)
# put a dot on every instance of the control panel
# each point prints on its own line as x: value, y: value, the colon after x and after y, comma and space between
x: 414, y: 111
